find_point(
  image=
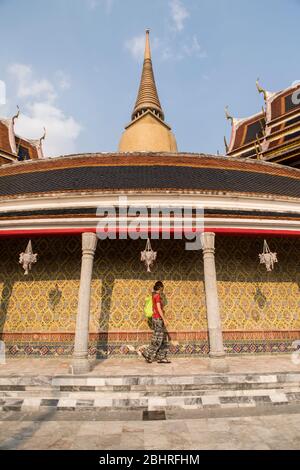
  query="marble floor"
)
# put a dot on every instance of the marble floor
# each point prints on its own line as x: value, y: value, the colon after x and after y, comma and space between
x: 273, y: 428
x: 137, y: 366
x: 263, y: 432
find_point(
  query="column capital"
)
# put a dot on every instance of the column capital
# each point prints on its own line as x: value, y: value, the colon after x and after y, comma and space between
x: 208, y: 241
x: 89, y: 241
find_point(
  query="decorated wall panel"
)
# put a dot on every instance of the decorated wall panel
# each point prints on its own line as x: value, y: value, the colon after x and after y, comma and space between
x: 252, y: 298
x: 259, y: 310
x: 118, y: 306
x: 46, y: 299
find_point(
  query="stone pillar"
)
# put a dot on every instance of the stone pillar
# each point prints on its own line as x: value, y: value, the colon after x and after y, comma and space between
x: 81, y: 363
x: 216, y: 347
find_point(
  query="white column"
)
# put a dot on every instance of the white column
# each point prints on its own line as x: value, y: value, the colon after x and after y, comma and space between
x: 216, y: 347
x: 80, y: 358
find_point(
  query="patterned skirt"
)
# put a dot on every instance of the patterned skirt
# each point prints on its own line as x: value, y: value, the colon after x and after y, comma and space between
x: 158, y: 349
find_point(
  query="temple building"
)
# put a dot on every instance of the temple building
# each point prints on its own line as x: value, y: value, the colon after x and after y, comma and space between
x: 83, y: 294
x: 15, y: 148
x: 273, y: 134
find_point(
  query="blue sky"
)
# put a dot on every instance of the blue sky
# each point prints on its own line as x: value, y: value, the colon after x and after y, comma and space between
x: 75, y: 65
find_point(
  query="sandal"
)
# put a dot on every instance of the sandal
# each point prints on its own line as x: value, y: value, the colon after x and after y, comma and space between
x: 164, y: 361
x: 146, y: 359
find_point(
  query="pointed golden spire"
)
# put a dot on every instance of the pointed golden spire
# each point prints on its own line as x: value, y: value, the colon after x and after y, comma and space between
x: 147, y: 46
x: 147, y: 132
x: 147, y: 97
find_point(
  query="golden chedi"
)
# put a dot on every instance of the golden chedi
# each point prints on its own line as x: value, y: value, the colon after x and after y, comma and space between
x: 147, y: 131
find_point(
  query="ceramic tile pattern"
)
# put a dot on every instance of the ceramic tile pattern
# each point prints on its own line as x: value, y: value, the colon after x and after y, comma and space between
x: 259, y: 310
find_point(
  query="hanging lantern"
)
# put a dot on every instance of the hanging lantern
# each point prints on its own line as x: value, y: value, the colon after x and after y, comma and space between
x: 148, y: 256
x: 27, y: 259
x: 267, y: 257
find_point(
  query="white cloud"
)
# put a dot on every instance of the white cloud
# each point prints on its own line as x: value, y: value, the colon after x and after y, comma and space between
x: 179, y: 14
x: 93, y: 4
x: 63, y: 80
x: 62, y: 131
x: 28, y: 86
x: 194, y: 49
x: 190, y: 48
x: 167, y: 53
x: 136, y: 46
x: 109, y: 5
x: 39, y: 109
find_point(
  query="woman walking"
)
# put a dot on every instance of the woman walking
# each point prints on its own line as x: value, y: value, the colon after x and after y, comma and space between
x: 158, y: 349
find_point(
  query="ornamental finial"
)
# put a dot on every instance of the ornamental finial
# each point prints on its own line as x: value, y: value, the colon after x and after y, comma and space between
x: 228, y: 116
x: 258, y: 148
x: 226, y: 145
x: 16, y: 115
x: 43, y: 136
x: 261, y: 90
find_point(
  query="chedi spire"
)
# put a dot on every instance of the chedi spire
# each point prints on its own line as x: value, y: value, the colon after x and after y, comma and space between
x: 147, y: 131
x: 147, y: 98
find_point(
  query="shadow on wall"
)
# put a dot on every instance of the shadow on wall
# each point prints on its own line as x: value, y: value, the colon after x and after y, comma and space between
x: 55, y: 296
x: 260, y: 298
x: 106, y: 298
x: 7, y: 288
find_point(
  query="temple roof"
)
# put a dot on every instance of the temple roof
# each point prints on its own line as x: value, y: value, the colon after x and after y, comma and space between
x: 151, y: 172
x: 246, y: 131
x: 282, y: 103
x: 32, y: 146
x: 15, y: 147
x: 5, y: 145
x: 63, y: 195
x: 274, y: 133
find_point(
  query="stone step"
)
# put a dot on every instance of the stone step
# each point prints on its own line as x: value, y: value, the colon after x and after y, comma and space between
x: 175, y: 388
x: 158, y: 392
x: 150, y: 403
x: 148, y: 392
x: 209, y: 381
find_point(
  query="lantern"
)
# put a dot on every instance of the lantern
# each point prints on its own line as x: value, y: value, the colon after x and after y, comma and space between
x: 267, y: 257
x: 27, y: 259
x: 148, y: 256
